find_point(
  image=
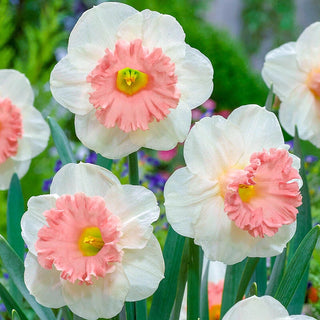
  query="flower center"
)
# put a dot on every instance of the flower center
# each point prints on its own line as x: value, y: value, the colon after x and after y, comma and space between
x: 80, y: 239
x: 127, y: 98
x: 265, y: 195
x: 214, y: 312
x: 130, y: 81
x: 10, y: 129
x: 90, y: 242
x: 313, y: 82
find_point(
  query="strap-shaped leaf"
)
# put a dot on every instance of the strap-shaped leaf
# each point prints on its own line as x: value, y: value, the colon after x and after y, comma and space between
x: 204, y: 304
x: 104, y: 162
x: 260, y: 276
x: 61, y: 142
x: 296, y: 267
x: 15, y: 315
x: 10, y: 302
x: 15, y: 269
x: 163, y: 299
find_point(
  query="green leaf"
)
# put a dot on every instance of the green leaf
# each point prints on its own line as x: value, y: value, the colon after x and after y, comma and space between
x: 64, y: 313
x: 133, y: 168
x: 246, y: 276
x: 277, y: 273
x: 104, y: 162
x: 194, y: 280
x: 10, y: 303
x: 297, y: 267
x: 231, y: 285
x: 253, y: 291
x: 15, y: 315
x: 260, y: 276
x: 15, y: 269
x: 141, y: 310
x: 269, y: 101
x: 163, y: 298
x: 61, y: 142
x: 130, y: 310
x: 304, y: 224
x: 204, y: 304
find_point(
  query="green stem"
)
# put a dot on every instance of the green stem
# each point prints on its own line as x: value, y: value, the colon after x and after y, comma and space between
x: 133, y: 168
x: 194, y: 280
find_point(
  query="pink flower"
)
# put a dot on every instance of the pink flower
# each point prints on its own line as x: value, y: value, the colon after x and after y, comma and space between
x: 90, y: 243
x: 23, y: 132
x: 130, y: 79
x: 239, y: 193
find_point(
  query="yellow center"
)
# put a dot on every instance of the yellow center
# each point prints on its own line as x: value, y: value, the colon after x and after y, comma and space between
x: 246, y: 192
x: 214, y: 312
x: 90, y: 242
x: 130, y: 81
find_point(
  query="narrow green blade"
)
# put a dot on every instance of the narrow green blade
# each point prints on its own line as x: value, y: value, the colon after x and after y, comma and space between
x: 246, y: 276
x: 15, y: 269
x: 61, y: 142
x: 277, y: 273
x: 141, y: 310
x: 10, y: 302
x: 133, y: 168
x: 231, y: 285
x: 297, y: 267
x: 194, y: 281
x: 260, y: 276
x: 130, y: 310
x: 253, y: 291
x: 163, y: 299
x: 15, y: 315
x: 204, y: 304
x: 104, y: 162
x: 304, y: 224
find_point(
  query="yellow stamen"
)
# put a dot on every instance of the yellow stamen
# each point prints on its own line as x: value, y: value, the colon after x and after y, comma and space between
x: 130, y: 81
x: 246, y: 192
x: 90, y: 242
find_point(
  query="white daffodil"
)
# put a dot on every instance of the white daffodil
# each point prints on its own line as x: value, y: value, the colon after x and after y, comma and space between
x: 90, y: 243
x: 262, y: 308
x: 23, y: 131
x: 238, y: 194
x: 130, y: 79
x: 294, y: 71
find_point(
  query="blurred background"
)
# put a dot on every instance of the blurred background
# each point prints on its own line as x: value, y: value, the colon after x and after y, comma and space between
x: 234, y: 34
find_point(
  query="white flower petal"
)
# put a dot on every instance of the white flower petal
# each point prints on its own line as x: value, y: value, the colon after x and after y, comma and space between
x: 83, y: 177
x: 137, y: 208
x: 156, y: 31
x: 301, y: 109
x: 212, y: 146
x: 103, y: 299
x: 104, y: 21
x: 35, y: 134
x: 266, y: 307
x: 282, y: 70
x: 15, y: 86
x: 69, y: 86
x: 165, y: 134
x: 8, y: 168
x: 184, y: 193
x: 112, y: 143
x: 308, y: 48
x: 43, y: 284
x: 259, y: 128
x: 195, y: 74
x: 144, y: 269
x: 33, y: 219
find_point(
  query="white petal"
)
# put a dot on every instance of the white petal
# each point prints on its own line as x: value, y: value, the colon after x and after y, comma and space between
x: 15, y: 86
x: 217, y: 271
x: 156, y: 31
x: 43, y: 284
x: 301, y: 109
x: 8, y: 168
x: 137, y: 208
x: 195, y: 74
x: 98, y: 26
x: 83, y: 177
x: 281, y: 69
x: 185, y: 194
x: 69, y: 86
x: 272, y: 246
x: 299, y: 317
x: 213, y: 146
x: 266, y: 307
x: 35, y: 134
x: 259, y: 128
x: 113, y: 143
x: 144, y: 269
x: 308, y: 48
x: 165, y: 134
x: 102, y: 299
x: 33, y: 219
